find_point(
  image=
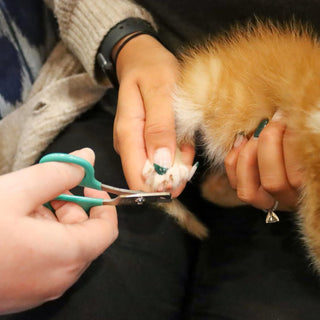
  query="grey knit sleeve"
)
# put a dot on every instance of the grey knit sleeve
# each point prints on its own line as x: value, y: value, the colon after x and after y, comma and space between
x: 84, y: 23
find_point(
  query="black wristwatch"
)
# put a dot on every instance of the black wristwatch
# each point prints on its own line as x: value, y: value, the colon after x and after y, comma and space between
x: 135, y: 26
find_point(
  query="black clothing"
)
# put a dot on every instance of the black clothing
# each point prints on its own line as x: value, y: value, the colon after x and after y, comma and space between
x: 190, y: 21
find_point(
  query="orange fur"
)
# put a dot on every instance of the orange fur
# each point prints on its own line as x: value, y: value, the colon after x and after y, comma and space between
x: 228, y: 85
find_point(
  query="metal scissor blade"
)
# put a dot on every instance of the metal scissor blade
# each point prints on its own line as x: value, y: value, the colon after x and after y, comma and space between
x: 118, y: 191
x: 140, y: 198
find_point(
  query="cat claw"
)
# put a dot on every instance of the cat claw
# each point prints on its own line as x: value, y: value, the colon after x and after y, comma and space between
x: 171, y: 179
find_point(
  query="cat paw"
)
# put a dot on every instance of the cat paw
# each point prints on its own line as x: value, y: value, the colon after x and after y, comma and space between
x: 217, y: 189
x: 168, y: 179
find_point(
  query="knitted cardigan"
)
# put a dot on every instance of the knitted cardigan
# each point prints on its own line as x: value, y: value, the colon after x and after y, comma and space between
x: 67, y: 84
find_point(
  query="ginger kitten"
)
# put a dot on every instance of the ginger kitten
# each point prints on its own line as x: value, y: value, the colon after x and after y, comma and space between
x: 226, y: 87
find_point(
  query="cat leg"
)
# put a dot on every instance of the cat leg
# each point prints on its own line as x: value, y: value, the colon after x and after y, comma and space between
x: 217, y: 189
x: 186, y: 219
x: 168, y: 178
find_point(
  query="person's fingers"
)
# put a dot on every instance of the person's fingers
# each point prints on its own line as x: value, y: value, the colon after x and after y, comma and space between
x: 85, y: 153
x: 160, y: 124
x: 93, y: 236
x: 68, y: 212
x: 43, y: 213
x: 93, y: 193
x: 107, y: 211
x: 99, y: 231
x: 144, y: 124
x: 260, y: 170
x: 30, y: 187
x: 160, y: 137
x: 128, y: 133
x: 273, y: 174
x: 292, y: 160
x: 249, y: 189
x: 231, y: 159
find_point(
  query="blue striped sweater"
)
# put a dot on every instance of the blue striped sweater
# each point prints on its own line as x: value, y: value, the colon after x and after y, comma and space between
x: 27, y: 35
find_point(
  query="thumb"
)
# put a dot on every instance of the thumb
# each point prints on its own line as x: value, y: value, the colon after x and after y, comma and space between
x: 99, y: 231
x: 160, y: 136
x: 28, y: 188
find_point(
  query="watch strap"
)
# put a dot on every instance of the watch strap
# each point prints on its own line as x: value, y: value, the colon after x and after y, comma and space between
x: 118, y: 32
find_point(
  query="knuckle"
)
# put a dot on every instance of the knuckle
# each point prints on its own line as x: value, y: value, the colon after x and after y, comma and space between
x: 229, y: 162
x: 245, y: 195
x: 268, y: 134
x: 273, y: 185
x: 65, y: 173
x: 156, y: 129
x: 55, y: 294
x: 296, y: 181
x: 247, y: 159
x: 160, y: 86
x: 295, y: 177
x: 121, y: 130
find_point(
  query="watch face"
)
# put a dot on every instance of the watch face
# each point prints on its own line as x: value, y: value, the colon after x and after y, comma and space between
x: 107, y: 69
x: 105, y: 65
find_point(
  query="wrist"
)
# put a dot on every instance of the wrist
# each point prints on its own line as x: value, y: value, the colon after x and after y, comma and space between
x: 120, y: 45
x: 113, y: 42
x: 117, y: 45
x: 140, y: 54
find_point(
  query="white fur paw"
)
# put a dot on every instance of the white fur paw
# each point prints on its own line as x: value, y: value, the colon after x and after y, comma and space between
x: 168, y: 179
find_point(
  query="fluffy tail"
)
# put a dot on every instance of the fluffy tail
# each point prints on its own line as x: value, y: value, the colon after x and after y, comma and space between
x: 185, y: 218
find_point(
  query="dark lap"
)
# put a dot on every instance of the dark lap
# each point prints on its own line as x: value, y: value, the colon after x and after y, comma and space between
x: 245, y: 270
x: 251, y: 270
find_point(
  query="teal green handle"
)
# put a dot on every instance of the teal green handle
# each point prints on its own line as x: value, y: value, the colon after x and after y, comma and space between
x: 89, y: 179
x: 85, y: 202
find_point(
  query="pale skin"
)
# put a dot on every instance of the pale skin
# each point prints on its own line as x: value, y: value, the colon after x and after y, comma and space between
x: 43, y: 254
x: 262, y: 170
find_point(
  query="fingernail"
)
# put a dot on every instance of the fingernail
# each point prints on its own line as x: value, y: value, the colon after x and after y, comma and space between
x: 262, y: 124
x: 193, y: 170
x: 278, y: 116
x: 162, y: 160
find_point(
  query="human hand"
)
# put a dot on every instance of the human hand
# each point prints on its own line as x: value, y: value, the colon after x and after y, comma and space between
x: 265, y: 169
x: 43, y: 254
x: 144, y: 126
